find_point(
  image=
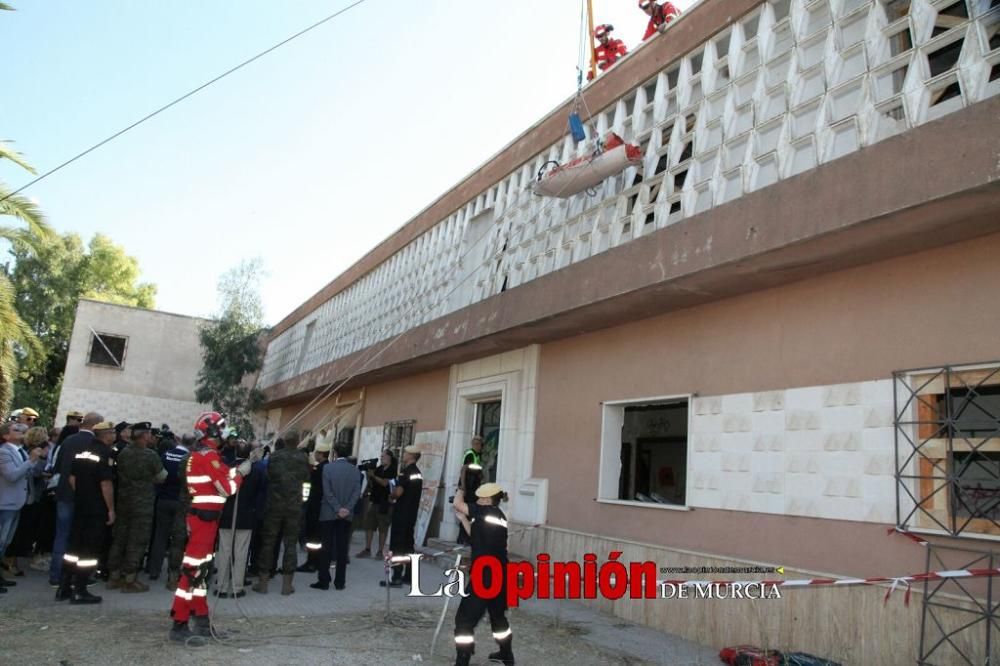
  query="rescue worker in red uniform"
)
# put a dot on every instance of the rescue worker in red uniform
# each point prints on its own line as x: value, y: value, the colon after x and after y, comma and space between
x: 209, y: 482
x: 609, y: 50
x: 660, y: 15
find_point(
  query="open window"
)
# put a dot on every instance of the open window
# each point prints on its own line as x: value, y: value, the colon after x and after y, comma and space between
x: 644, y: 452
x: 107, y: 350
x: 396, y: 436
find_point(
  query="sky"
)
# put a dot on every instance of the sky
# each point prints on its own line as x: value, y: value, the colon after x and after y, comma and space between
x: 308, y: 157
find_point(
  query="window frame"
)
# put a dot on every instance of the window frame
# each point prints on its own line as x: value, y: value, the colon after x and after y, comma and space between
x: 90, y: 350
x: 609, y: 460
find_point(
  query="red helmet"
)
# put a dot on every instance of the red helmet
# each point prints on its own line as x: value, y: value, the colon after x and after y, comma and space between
x: 603, y: 29
x: 209, y: 425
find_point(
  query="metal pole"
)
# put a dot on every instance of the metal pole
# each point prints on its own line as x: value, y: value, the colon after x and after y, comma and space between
x: 444, y: 610
x: 590, y: 39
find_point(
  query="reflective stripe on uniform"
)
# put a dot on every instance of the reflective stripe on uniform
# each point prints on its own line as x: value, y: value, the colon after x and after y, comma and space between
x: 199, y: 592
x: 84, y: 564
x: 414, y: 477
x: 70, y: 558
x: 306, y: 489
x: 313, y: 546
x: 474, y: 466
x: 87, y: 455
x: 195, y: 561
x: 496, y: 521
x: 199, y: 479
x: 183, y: 594
x: 400, y: 558
x: 465, y: 640
x: 208, y: 499
x: 500, y: 635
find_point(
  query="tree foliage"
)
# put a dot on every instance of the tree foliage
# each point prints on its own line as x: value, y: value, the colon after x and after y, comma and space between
x: 28, y: 230
x: 231, y: 348
x: 50, y: 279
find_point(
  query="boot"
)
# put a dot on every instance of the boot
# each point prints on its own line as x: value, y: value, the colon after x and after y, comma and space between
x: 202, y: 626
x: 505, y: 655
x: 286, y: 584
x: 261, y: 584
x: 65, y: 591
x: 114, y: 581
x: 80, y: 593
x: 463, y: 657
x: 181, y: 633
x: 132, y: 584
x: 172, y: 578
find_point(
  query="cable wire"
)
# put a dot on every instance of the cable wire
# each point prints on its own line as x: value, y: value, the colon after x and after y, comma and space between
x: 183, y: 97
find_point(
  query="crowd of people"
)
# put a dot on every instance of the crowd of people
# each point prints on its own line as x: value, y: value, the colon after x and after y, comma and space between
x: 136, y: 501
x: 97, y: 501
x: 609, y: 50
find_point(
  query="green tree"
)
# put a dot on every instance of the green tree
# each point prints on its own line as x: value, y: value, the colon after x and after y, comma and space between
x: 232, y: 350
x: 30, y: 231
x: 50, y: 279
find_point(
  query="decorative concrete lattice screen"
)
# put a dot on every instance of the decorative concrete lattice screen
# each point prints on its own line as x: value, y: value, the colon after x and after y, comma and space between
x: 792, y: 85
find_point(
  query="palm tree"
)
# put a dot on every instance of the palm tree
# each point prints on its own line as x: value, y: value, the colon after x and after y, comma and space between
x: 15, y: 335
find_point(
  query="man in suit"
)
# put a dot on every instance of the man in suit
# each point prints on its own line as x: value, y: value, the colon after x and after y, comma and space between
x: 15, y: 475
x: 341, y: 491
x: 62, y: 467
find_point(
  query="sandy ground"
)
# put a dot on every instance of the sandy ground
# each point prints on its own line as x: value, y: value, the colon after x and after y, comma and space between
x: 75, y: 636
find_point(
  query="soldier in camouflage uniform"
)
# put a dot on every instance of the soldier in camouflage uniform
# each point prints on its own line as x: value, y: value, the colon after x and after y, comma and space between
x: 139, y: 468
x: 287, y: 470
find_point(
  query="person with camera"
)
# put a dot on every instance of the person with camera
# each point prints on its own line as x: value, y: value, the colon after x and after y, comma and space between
x: 405, y: 490
x: 379, y: 513
x: 487, y: 526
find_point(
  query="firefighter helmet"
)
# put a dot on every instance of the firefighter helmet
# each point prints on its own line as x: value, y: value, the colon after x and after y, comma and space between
x: 646, y: 4
x: 603, y: 29
x: 209, y: 425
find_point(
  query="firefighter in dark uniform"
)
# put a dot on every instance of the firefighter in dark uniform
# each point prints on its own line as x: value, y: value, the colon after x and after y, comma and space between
x: 406, y: 491
x: 94, y: 510
x: 314, y: 500
x: 470, y: 476
x: 487, y: 525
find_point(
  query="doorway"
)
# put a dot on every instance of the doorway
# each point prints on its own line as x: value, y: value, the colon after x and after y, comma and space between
x: 488, y: 427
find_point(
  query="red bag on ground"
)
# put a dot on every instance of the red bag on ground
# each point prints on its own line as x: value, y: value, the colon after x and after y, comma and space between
x: 748, y: 655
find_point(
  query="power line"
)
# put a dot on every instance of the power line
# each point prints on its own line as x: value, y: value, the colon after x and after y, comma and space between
x: 182, y: 98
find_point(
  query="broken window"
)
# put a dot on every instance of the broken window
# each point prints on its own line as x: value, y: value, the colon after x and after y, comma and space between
x: 645, y: 451
x: 107, y: 350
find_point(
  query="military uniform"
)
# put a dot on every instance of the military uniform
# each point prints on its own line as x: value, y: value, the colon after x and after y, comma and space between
x: 171, y: 509
x: 139, y: 469
x: 404, y: 521
x: 90, y: 469
x: 287, y: 470
x: 488, y: 538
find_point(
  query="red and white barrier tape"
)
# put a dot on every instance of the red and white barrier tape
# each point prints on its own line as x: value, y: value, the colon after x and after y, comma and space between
x: 909, y: 535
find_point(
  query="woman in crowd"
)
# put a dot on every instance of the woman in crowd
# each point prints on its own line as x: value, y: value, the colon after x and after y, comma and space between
x: 26, y: 537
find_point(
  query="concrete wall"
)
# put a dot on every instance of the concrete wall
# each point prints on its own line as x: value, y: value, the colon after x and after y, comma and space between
x: 854, y: 326
x: 423, y: 398
x: 158, y: 374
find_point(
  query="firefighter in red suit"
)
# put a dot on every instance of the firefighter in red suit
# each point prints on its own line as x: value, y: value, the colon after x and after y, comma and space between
x: 660, y: 15
x: 609, y: 50
x: 210, y: 482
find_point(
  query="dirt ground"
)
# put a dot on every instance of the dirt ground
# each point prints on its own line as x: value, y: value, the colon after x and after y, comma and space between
x: 75, y: 636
